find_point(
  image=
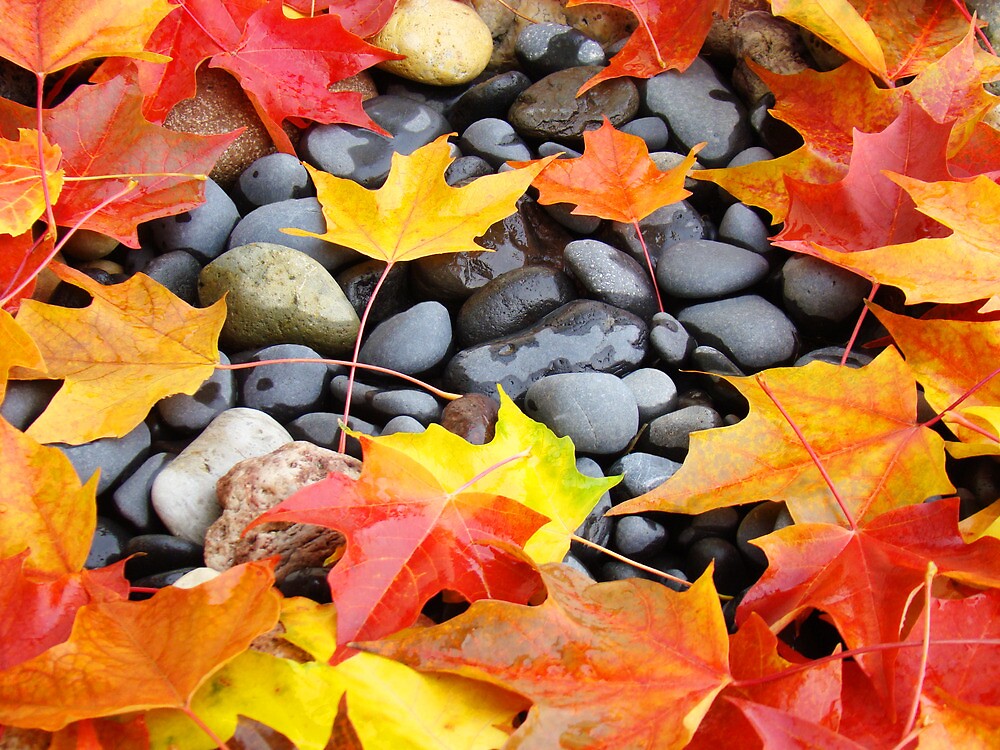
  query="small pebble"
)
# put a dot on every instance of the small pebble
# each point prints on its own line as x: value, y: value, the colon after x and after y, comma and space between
x: 114, y: 457
x: 192, y: 413
x: 285, y: 390
x: 641, y: 473
x: 203, y: 230
x: 272, y: 179
x: 410, y: 342
x: 654, y: 391
x: 637, y: 537
x: 671, y: 433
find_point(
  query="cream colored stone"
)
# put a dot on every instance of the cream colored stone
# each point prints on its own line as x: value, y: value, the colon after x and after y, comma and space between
x: 444, y: 41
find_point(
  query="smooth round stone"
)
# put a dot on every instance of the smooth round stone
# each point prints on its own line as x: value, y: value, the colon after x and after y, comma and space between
x: 114, y: 457
x: 720, y: 522
x: 596, y: 527
x: 611, y: 276
x: 550, y: 108
x: 550, y: 148
x: 178, y: 271
x: 710, y: 359
x: 465, y: 169
x: 664, y: 227
x: 581, y: 336
x: 278, y: 295
x: 544, y: 48
x: 358, y: 282
x: 702, y: 192
x: 489, y: 98
x: 671, y: 433
x: 750, y: 155
x: 25, y: 400
x: 512, y: 302
x: 639, y: 537
x: 412, y: 341
x: 597, y: 411
x: 563, y: 213
x: 749, y: 329
x: 702, y: 269
x: 616, y: 570
x: 88, y: 245
x: 154, y: 553
x: 757, y: 523
x: 670, y: 340
x: 697, y: 106
x: 308, y: 582
x: 654, y: 391
x: 444, y: 42
x: 527, y: 237
x: 108, y: 544
x: 653, y: 131
x: 192, y: 413
x: 495, y: 141
x: 402, y: 423
x: 285, y: 390
x: 202, y: 231
x: 272, y: 179
x: 184, y: 491
x: 264, y: 224
x: 833, y: 355
x: 473, y: 417
x: 132, y: 498
x: 164, y: 579
x: 641, y: 473
x: 572, y: 561
x: 364, y: 156
x: 323, y: 429
x: 815, y: 291
x: 742, y: 226
x: 386, y: 403
x: 730, y: 571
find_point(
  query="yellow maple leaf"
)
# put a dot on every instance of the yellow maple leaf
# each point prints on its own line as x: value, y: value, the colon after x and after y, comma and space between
x: 135, y: 344
x: 22, y: 200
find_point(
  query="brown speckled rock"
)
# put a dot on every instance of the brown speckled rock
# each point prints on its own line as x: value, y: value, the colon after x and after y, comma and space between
x: 256, y: 484
x: 473, y: 417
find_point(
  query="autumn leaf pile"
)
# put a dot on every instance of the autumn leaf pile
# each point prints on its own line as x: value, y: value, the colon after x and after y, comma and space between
x: 895, y: 180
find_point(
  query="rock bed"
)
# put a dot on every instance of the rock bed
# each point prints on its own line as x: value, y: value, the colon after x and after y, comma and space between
x: 562, y: 315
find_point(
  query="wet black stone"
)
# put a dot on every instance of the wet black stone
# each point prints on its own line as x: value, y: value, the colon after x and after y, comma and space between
x: 489, y: 98
x: 308, y: 582
x: 108, y: 545
x: 156, y: 553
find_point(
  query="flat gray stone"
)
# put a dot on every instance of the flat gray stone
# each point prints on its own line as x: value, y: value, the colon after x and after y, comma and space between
x: 748, y: 329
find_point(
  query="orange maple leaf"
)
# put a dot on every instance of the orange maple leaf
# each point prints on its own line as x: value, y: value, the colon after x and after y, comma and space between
x: 135, y: 344
x: 861, y: 423
x: 16, y: 350
x: 22, y: 200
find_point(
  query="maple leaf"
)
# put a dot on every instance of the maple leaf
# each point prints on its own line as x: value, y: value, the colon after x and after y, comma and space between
x: 48, y: 35
x: 863, y: 579
x: 104, y: 139
x: 866, y: 209
x: 362, y: 17
x: 962, y: 267
x: 16, y: 350
x: 408, y: 538
x: 128, y: 656
x: 949, y: 358
x: 135, y: 344
x: 669, y: 36
x: 284, y: 64
x: 626, y: 664
x: 893, y: 41
x: 860, y: 422
x: 416, y: 213
x: 20, y: 258
x: 21, y: 194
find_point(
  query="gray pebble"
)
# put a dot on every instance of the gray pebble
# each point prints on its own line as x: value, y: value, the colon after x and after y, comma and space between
x: 653, y: 131
x: 285, y: 390
x: 132, y: 499
x: 702, y: 269
x: 192, y: 413
x: 402, y: 423
x: 544, y: 48
x: 274, y: 178
x: 730, y: 572
x: 611, y: 276
x: 641, y: 473
x: 114, y: 457
x: 720, y: 522
x: 178, y: 271
x: 749, y: 329
x: 816, y: 292
x: 671, y: 433
x: 596, y: 527
x: 323, y: 429
x: 386, y: 403
x: 742, y: 226
x: 495, y: 141
x: 638, y: 537
x: 670, y: 340
x: 25, y: 400
x: 203, y: 230
x: 654, y: 391
x: 410, y: 342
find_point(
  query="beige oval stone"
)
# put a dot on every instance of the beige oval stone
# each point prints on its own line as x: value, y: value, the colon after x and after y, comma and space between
x: 445, y: 42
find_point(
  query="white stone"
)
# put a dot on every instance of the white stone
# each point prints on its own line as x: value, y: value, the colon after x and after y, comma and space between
x: 445, y: 42
x: 195, y: 577
x: 184, y: 494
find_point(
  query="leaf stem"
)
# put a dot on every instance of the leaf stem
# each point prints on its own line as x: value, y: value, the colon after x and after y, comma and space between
x: 857, y: 326
x: 925, y: 651
x: 205, y: 728
x: 489, y: 470
x: 812, y: 453
x: 649, y: 264
x: 39, y: 124
x: 957, y: 402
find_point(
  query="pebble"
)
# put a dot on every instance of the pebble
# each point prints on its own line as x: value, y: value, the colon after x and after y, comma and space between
x: 410, y: 342
x: 402, y: 423
x: 184, y: 491
x: 664, y: 227
x: 323, y: 429
x: 108, y: 544
x: 610, y: 275
x: 264, y: 224
x: 580, y: 224
x: 544, y: 48
x: 473, y: 417
x: 597, y: 411
x: 285, y: 390
x: 358, y: 282
x: 202, y: 231
x: 551, y: 110
x: 581, y: 336
x: 641, y: 473
x: 749, y: 329
x: 132, y: 498
x: 742, y: 226
x: 720, y: 522
x: 574, y: 562
x: 272, y: 179
x: 758, y: 522
x: 638, y: 537
x: 25, y: 400
x: 364, y: 156
x: 192, y: 413
x: 113, y: 457
x: 444, y: 42
x: 730, y: 573
x: 654, y: 391
x: 277, y: 295
x: 494, y: 141
x: 670, y: 340
x: 653, y: 131
x: 671, y: 433
x: 596, y: 527
x: 815, y: 292
x: 512, y: 302
x: 697, y: 106
x: 386, y: 403
x: 489, y: 98
x: 465, y: 169
x: 178, y: 271
x: 703, y: 269
x: 154, y: 553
